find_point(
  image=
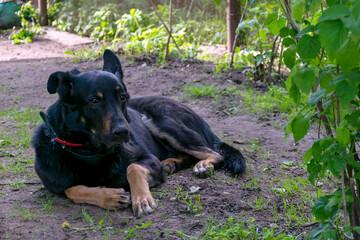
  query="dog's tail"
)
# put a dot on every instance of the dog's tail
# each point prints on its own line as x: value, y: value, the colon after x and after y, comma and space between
x: 234, y: 161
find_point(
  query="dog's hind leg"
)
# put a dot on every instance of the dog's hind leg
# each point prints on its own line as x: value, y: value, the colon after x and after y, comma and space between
x: 108, y: 198
x: 187, y: 142
x: 172, y: 165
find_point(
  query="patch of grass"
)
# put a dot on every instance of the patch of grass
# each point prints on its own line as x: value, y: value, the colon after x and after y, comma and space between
x: 291, y: 186
x: 14, y: 167
x: 276, y: 99
x: 298, y: 195
x: 199, y: 90
x: 234, y: 228
x: 26, y: 213
x: 103, y: 225
x: 19, y: 124
x: 16, y: 126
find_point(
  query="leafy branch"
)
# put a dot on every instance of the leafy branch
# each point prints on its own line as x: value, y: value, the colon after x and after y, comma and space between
x: 324, y: 59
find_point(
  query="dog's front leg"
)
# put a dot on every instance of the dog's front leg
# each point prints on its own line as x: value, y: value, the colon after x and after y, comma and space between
x: 108, y: 198
x: 140, y: 181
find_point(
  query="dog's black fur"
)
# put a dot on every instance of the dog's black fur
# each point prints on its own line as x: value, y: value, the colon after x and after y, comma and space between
x: 94, y: 109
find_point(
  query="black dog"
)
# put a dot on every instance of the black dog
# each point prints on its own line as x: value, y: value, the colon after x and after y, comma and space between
x: 95, y: 142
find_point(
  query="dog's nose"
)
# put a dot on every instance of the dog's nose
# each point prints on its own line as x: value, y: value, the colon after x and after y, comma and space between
x: 121, y: 133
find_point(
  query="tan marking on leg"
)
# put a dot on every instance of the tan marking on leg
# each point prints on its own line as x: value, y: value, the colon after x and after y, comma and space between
x: 139, y: 179
x: 171, y: 165
x: 107, y: 198
x: 209, y: 160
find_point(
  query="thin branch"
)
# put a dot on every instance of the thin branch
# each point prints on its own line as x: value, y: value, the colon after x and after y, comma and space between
x: 355, y: 211
x: 333, y: 108
x: 338, y: 111
x: 288, y: 14
x: 170, y: 26
x: 343, y: 196
x: 201, y: 23
x: 324, y: 118
x: 319, y: 129
x: 274, y: 50
x: 157, y: 14
x: 190, y: 7
x: 281, y: 53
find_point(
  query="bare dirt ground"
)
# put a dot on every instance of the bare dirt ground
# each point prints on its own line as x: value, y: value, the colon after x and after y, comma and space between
x: 28, y: 211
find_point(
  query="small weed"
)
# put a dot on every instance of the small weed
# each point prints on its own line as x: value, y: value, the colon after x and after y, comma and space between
x: 255, y: 145
x: 48, y: 204
x: 131, y: 232
x: 192, y: 202
x: 183, y: 235
x: 89, y: 219
x: 259, y: 203
x: 228, y: 180
x: 254, y: 182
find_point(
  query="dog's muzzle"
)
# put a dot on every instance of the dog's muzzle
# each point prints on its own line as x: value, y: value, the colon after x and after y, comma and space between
x: 121, y: 134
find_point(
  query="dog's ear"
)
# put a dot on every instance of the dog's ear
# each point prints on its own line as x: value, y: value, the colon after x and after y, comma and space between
x: 62, y: 83
x: 75, y: 71
x: 112, y: 64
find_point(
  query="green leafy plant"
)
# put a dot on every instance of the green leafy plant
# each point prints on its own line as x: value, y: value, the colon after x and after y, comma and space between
x: 29, y: 25
x: 130, y: 25
x: 93, y: 52
x: 102, y: 24
x: 261, y: 28
x: 324, y: 58
x: 135, y: 29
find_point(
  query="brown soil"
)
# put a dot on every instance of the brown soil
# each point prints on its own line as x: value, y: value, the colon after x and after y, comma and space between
x: 23, y: 211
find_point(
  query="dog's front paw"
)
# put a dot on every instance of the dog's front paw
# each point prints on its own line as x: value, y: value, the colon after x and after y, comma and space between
x: 115, y: 197
x: 143, y: 206
x: 204, y: 168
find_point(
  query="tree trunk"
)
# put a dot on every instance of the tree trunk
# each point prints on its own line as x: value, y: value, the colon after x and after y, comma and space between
x: 232, y: 20
x: 43, y: 12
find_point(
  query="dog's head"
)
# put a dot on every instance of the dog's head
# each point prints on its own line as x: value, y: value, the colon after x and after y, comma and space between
x: 95, y: 101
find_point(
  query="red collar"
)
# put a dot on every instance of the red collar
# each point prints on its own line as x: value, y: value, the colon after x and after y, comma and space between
x: 67, y: 143
x: 53, y: 134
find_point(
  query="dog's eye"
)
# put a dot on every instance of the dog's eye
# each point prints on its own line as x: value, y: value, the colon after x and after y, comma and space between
x: 94, y: 100
x: 123, y: 97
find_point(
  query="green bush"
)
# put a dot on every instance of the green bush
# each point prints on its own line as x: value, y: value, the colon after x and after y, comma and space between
x: 324, y: 58
x: 29, y: 25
